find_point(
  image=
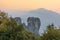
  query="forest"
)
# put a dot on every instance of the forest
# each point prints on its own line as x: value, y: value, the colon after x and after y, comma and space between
x: 11, y: 30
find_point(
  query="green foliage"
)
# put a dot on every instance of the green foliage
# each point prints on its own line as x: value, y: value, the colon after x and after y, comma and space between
x: 51, y: 33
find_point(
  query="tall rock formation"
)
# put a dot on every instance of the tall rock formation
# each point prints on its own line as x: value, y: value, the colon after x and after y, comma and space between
x: 33, y: 24
x: 18, y: 19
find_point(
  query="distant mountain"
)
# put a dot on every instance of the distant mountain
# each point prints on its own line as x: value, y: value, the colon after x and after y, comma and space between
x: 46, y: 16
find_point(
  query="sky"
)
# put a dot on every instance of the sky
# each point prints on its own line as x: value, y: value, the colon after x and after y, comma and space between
x: 30, y: 4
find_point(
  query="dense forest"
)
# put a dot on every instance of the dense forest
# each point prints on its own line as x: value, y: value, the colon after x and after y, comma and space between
x: 11, y: 30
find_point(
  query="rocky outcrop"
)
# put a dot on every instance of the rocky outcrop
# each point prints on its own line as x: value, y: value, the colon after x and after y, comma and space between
x: 33, y: 24
x: 18, y: 19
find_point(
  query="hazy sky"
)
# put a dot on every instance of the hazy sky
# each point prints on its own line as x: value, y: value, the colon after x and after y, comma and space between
x: 30, y: 4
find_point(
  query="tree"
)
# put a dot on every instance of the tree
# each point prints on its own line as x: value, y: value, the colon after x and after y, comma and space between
x: 51, y: 33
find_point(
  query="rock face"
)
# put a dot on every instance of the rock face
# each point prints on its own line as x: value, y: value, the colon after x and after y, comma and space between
x: 33, y: 24
x: 18, y: 19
